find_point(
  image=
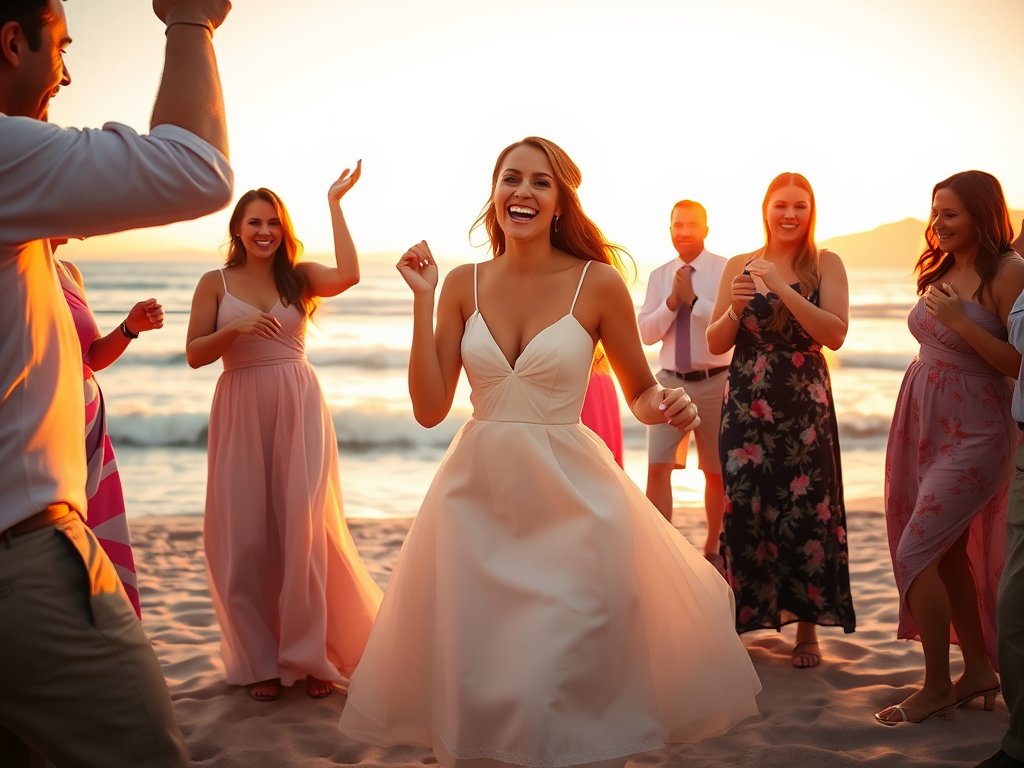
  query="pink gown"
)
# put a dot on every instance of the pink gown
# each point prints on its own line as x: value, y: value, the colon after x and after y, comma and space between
x: 291, y: 593
x: 542, y: 611
x: 949, y: 463
x: 106, y: 514
x: 601, y: 411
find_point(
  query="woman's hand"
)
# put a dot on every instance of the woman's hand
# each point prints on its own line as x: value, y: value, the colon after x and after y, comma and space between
x: 678, y: 410
x: 767, y: 273
x: 147, y: 315
x: 742, y: 292
x: 344, y: 183
x: 262, y: 324
x: 944, y: 305
x: 419, y: 269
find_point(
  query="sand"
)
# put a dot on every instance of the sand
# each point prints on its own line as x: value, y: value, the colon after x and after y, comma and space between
x: 808, y: 718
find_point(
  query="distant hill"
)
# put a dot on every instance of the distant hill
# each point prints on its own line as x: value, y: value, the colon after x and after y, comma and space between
x: 890, y: 246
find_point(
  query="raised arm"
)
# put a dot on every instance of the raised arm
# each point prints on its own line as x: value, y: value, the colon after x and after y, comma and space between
x: 435, y: 358
x: 943, y: 303
x: 330, y: 281
x: 735, y: 290
x: 608, y: 297
x: 190, y: 93
x: 829, y: 320
x: 206, y: 344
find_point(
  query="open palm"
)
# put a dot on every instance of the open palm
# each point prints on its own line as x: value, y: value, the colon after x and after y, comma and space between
x: 345, y: 182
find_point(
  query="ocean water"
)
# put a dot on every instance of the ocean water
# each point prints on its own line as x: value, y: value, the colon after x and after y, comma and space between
x: 158, y: 406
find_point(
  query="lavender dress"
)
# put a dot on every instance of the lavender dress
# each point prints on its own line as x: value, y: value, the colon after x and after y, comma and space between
x: 949, y: 463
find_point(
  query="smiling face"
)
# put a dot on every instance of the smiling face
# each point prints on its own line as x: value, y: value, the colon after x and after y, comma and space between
x: 261, y: 230
x: 788, y: 216
x: 37, y: 74
x: 525, y: 196
x: 951, y: 224
x: 688, y: 232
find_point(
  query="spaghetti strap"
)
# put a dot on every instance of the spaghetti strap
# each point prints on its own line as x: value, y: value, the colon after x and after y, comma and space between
x: 584, y: 274
x: 223, y: 280
x: 476, y: 303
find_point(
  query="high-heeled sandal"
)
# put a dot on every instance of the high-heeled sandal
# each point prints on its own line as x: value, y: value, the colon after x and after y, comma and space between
x: 989, y: 694
x: 946, y: 712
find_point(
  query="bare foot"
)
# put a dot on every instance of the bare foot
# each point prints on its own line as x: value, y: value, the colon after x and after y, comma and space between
x: 716, y: 559
x: 919, y: 706
x: 318, y: 688
x: 268, y: 690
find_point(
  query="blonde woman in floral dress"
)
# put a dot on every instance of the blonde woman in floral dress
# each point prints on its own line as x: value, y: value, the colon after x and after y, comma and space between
x: 785, y: 525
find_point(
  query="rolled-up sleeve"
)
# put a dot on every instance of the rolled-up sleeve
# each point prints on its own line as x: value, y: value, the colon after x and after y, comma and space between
x: 66, y: 182
x: 1015, y: 325
x: 655, y: 318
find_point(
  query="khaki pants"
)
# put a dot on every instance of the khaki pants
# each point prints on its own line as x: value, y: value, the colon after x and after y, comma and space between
x: 79, y: 682
x: 1010, y: 612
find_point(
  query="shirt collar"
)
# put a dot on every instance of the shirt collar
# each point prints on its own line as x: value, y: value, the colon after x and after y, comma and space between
x: 698, y: 260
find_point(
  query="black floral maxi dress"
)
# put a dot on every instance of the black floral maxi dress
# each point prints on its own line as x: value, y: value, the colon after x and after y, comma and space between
x: 785, y: 525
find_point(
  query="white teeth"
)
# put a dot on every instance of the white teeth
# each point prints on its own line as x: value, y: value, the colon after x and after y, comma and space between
x: 522, y: 209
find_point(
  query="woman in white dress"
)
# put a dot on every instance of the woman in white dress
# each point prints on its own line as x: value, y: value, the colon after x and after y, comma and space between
x: 542, y: 612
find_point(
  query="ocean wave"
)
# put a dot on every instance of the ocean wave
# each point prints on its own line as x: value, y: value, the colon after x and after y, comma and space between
x: 364, y: 430
x: 357, y: 430
x: 879, y: 361
x: 366, y: 358
x: 883, y: 311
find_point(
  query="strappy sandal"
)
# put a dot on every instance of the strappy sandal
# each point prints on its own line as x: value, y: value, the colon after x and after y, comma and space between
x: 946, y: 712
x: 989, y: 694
x: 798, y: 654
x: 265, y: 694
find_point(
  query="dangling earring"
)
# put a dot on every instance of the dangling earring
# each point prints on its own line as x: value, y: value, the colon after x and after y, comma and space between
x: 556, y: 223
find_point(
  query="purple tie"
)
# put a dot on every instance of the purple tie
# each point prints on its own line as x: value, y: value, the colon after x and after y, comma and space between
x: 683, y: 361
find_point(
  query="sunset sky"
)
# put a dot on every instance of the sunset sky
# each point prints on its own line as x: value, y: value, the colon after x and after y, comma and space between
x: 873, y: 100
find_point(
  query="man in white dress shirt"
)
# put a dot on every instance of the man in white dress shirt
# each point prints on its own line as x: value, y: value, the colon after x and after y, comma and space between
x: 79, y: 682
x: 1010, y: 603
x: 676, y: 312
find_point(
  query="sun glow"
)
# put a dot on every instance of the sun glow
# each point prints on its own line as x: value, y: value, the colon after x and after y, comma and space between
x: 656, y: 101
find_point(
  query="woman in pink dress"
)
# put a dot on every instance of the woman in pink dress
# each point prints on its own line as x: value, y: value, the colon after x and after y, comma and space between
x: 601, y: 407
x: 106, y: 513
x: 293, y: 597
x: 950, y: 455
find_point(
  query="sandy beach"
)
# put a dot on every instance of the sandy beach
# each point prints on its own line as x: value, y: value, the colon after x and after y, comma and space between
x: 814, y: 717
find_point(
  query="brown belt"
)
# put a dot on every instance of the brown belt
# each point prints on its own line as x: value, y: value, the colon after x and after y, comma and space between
x: 48, y: 516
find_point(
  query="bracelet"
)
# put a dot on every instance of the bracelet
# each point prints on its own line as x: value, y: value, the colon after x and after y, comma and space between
x: 732, y: 315
x: 124, y: 330
x: 208, y: 27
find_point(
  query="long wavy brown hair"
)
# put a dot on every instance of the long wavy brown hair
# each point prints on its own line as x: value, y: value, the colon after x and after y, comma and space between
x: 981, y: 195
x: 291, y: 286
x: 573, y: 231
x: 805, y: 260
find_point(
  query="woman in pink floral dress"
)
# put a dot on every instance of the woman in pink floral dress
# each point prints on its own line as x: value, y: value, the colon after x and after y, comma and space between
x: 951, y: 445
x: 784, y: 529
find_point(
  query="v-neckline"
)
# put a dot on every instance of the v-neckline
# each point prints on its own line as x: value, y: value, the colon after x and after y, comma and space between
x: 513, y: 367
x: 253, y: 306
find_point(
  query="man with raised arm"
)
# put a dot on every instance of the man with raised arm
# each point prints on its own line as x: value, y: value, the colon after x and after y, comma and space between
x: 676, y: 312
x: 79, y: 682
x: 1010, y: 605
